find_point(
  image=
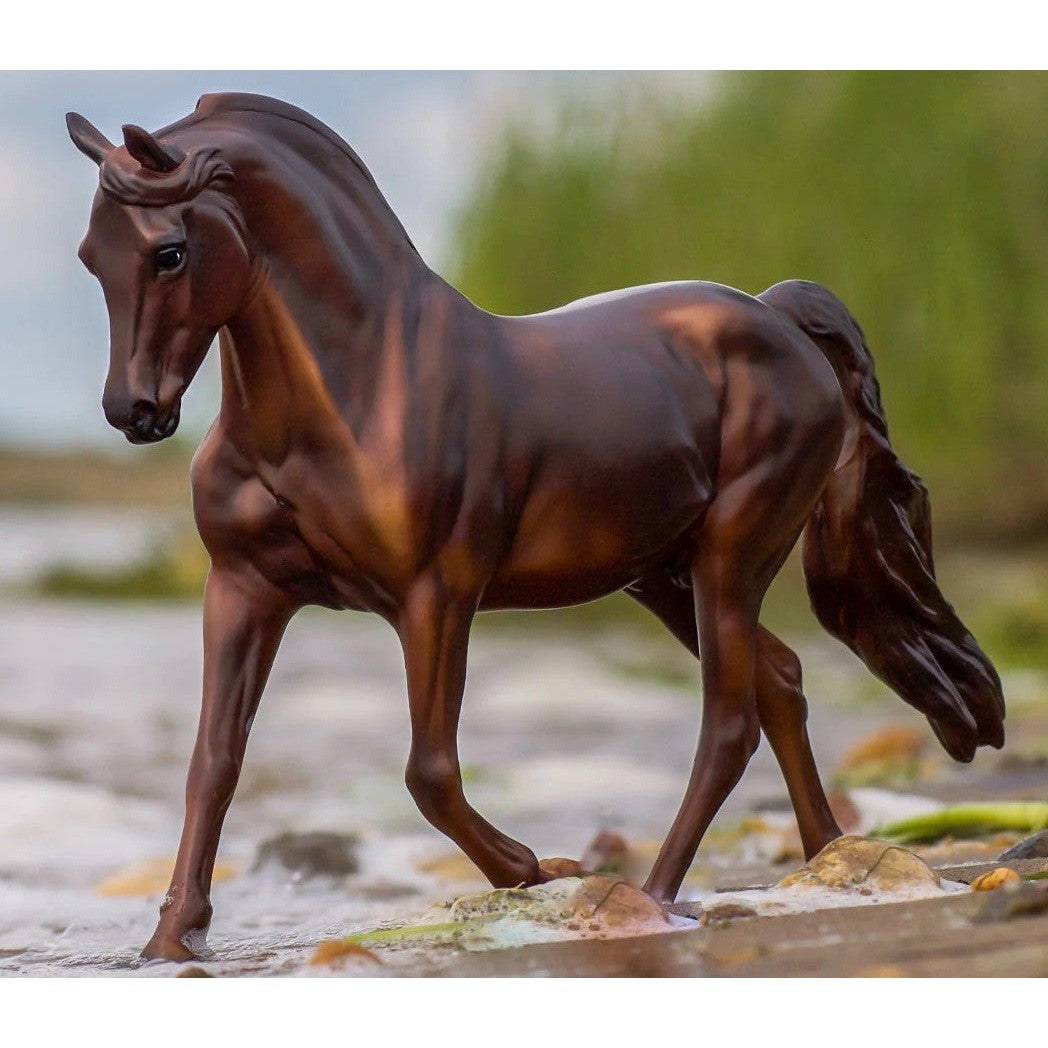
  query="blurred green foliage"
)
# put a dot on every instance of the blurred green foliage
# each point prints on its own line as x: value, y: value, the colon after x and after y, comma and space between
x: 921, y: 199
x: 174, y: 570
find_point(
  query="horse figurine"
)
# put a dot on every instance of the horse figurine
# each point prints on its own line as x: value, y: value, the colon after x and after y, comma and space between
x: 384, y: 444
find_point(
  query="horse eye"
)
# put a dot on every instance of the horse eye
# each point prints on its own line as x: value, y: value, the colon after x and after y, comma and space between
x: 168, y: 259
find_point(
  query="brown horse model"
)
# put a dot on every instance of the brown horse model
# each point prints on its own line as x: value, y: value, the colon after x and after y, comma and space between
x: 383, y: 444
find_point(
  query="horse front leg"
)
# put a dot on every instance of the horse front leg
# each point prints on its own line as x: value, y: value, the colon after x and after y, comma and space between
x: 244, y: 620
x: 434, y: 632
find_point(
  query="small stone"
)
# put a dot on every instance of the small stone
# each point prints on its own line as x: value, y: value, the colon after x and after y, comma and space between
x: 310, y: 854
x: 611, y: 905
x: 999, y: 878
x: 723, y: 913
x: 607, y: 853
x: 1035, y: 847
x: 1027, y: 899
x: 193, y: 972
x: 560, y: 867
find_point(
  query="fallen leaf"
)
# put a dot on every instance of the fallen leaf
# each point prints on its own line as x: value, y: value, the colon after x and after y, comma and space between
x: 337, y: 951
x: 999, y: 878
x: 153, y: 877
x: 451, y: 866
x: 892, y: 743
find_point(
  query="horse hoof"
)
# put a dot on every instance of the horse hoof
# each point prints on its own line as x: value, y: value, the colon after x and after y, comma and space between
x: 164, y: 947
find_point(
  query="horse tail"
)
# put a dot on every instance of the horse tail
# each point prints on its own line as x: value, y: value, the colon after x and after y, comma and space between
x: 868, y: 551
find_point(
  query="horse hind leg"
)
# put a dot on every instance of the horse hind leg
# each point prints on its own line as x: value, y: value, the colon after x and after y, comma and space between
x: 783, y: 712
x: 781, y: 706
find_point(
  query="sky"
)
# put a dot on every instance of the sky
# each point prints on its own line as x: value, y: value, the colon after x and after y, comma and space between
x: 422, y: 135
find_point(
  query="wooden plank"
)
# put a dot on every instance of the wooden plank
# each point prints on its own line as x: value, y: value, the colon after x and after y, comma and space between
x: 936, y: 937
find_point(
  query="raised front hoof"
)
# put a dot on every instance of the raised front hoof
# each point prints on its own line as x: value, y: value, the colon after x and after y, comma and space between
x: 164, y: 947
x: 554, y: 869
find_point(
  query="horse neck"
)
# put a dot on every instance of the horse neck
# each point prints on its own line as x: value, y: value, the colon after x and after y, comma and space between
x: 322, y: 347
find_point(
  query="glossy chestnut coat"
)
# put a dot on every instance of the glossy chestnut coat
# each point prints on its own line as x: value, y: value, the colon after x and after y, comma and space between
x: 383, y: 444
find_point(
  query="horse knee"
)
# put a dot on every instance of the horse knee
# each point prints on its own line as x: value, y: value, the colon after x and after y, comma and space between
x: 434, y: 784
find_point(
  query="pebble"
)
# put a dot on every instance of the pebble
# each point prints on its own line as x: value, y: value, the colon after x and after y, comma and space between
x: 1035, y: 847
x: 310, y: 854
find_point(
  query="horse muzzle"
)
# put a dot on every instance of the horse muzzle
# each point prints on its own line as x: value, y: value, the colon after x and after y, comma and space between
x: 145, y: 422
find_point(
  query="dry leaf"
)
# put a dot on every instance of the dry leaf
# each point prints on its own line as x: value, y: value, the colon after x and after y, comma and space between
x: 153, y: 877
x: 998, y: 878
x: 337, y: 951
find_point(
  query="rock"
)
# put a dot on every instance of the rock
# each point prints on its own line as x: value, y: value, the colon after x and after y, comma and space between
x: 1025, y: 899
x: 724, y: 912
x: 858, y: 863
x: 610, y: 906
x: 153, y: 877
x: 193, y: 972
x: 338, y: 951
x: 999, y: 878
x: 1035, y: 847
x: 591, y: 907
x: 951, y: 852
x: 607, y: 853
x: 310, y: 854
x: 558, y: 867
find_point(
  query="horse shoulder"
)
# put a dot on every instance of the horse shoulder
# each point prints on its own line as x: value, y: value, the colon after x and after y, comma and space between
x: 232, y: 507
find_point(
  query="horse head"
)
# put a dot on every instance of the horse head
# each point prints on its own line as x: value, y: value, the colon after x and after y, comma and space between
x: 170, y: 250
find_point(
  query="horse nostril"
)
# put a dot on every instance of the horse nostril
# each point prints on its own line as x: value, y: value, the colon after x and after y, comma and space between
x: 141, y: 415
x: 141, y: 418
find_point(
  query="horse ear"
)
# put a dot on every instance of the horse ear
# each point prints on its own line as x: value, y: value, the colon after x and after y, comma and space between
x: 149, y: 152
x: 87, y: 138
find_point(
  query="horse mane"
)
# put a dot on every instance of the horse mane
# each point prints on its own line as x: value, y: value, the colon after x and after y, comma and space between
x: 130, y: 183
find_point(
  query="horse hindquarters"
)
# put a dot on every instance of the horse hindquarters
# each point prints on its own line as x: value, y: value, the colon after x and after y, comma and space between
x: 868, y: 552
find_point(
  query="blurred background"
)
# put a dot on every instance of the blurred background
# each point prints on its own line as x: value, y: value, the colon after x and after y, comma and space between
x: 921, y: 199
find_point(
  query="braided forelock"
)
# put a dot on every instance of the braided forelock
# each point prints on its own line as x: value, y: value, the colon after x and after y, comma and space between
x: 126, y: 180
